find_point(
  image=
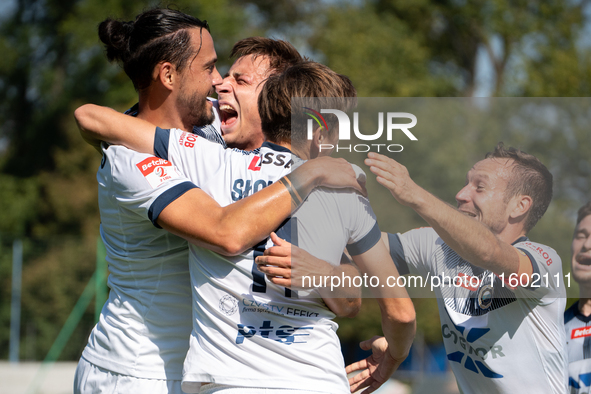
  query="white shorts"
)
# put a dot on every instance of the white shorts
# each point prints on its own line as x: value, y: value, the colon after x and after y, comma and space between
x: 212, y: 388
x: 90, y: 379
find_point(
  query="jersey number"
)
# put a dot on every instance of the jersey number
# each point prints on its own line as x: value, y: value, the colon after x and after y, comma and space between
x: 287, y: 231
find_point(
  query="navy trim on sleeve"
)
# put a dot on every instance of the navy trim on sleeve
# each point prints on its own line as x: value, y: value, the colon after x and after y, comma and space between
x: 161, y: 139
x: 163, y: 200
x: 365, y: 243
x: 534, y: 265
x: 397, y: 254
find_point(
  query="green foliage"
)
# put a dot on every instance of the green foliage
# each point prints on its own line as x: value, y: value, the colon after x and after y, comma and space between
x: 19, y: 199
x: 378, y: 64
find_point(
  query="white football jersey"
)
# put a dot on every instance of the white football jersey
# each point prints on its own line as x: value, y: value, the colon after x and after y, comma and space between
x: 578, y: 344
x: 144, y: 326
x: 499, y: 338
x: 248, y: 331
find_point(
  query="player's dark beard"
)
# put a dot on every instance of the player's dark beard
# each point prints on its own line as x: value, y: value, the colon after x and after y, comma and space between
x: 196, y: 105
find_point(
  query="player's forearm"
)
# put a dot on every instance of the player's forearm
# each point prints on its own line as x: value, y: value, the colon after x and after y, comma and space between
x: 469, y: 238
x: 231, y: 230
x: 252, y: 219
x: 472, y: 240
x: 99, y: 123
x: 343, y: 307
x: 343, y: 301
x: 397, y: 310
x: 398, y: 325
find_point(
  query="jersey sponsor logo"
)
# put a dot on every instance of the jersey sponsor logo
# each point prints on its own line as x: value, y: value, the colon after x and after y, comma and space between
x: 244, y: 188
x: 254, y: 164
x: 249, y: 305
x: 160, y: 171
x: 469, y: 357
x: 229, y: 305
x: 285, y: 334
x: 187, y: 139
x: 277, y: 159
x: 157, y: 171
x: 584, y: 381
x: 580, y: 333
x: 540, y: 251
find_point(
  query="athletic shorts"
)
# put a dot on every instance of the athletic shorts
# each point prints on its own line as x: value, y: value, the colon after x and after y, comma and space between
x: 90, y: 379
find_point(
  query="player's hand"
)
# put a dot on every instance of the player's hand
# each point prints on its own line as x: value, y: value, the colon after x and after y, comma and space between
x: 285, y: 264
x: 375, y: 369
x: 336, y: 173
x: 393, y: 176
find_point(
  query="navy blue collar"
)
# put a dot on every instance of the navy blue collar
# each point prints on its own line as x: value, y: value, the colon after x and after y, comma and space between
x: 578, y: 314
x: 275, y: 147
x: 520, y: 239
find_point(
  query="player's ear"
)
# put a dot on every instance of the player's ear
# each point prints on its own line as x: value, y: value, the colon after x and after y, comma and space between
x: 521, y: 205
x: 314, y: 144
x: 321, y: 136
x: 321, y: 144
x: 318, y: 137
x: 166, y: 74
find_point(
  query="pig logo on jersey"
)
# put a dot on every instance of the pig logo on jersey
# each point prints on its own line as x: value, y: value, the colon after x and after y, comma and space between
x: 157, y: 171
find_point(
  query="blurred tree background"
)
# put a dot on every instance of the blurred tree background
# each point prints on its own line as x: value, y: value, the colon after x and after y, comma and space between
x: 52, y: 62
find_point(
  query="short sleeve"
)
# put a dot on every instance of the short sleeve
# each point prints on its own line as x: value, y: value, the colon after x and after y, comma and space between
x: 365, y: 232
x: 141, y: 183
x: 547, y: 280
x: 195, y: 156
x: 413, y: 251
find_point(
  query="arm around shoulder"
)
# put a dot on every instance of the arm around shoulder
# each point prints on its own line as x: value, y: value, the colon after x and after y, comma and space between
x: 97, y: 123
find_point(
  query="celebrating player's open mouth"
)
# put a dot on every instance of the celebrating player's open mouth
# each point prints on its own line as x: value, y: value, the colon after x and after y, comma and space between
x: 467, y: 213
x: 229, y: 116
x: 583, y: 259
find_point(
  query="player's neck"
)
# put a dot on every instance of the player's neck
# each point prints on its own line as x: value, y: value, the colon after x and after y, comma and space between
x: 511, y: 234
x: 285, y: 145
x: 584, y: 304
x: 301, y: 153
x: 159, y: 110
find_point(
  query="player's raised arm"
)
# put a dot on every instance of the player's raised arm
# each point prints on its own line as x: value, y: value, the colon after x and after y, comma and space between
x: 234, y: 228
x: 471, y: 239
x: 97, y: 123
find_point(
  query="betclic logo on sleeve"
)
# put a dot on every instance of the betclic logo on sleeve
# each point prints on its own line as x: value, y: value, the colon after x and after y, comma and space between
x: 157, y: 171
